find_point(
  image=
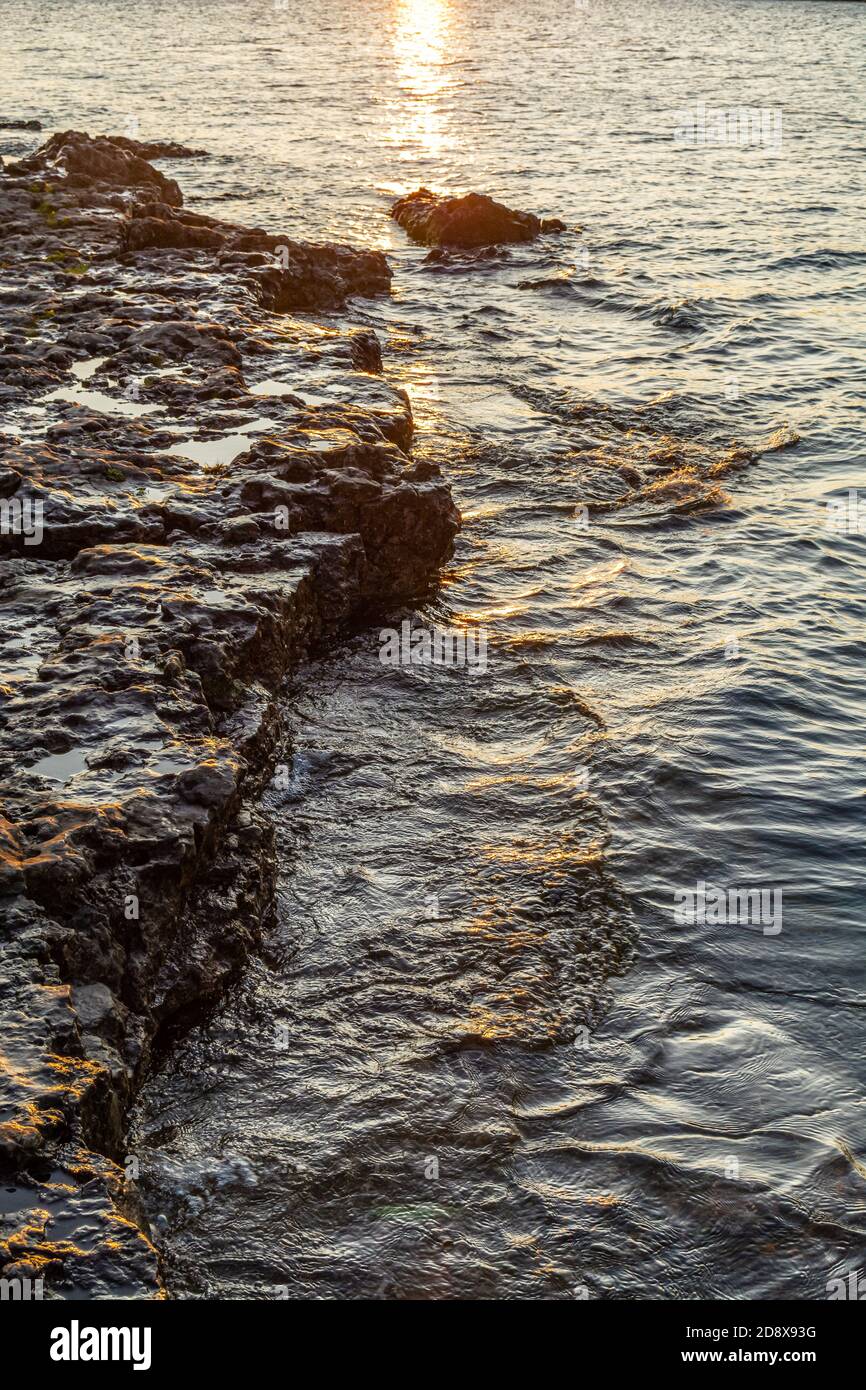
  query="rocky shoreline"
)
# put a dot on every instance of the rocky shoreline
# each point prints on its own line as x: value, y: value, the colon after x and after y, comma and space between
x: 196, y: 489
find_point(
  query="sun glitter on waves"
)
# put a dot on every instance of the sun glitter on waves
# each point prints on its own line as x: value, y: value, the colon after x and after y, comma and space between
x: 421, y: 46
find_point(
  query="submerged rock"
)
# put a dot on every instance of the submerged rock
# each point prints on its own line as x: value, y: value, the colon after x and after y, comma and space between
x: 434, y: 219
x: 196, y: 489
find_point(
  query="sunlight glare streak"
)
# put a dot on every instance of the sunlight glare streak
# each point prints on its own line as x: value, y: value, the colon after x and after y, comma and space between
x: 421, y: 32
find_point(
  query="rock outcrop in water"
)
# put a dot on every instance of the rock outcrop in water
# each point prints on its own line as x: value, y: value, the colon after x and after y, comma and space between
x: 194, y: 492
x: 433, y: 219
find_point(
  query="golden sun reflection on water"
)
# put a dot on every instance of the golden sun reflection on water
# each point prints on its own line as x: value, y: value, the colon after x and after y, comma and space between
x: 421, y: 48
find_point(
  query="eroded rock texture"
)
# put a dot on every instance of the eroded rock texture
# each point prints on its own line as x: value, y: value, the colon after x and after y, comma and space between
x: 195, y: 489
x: 433, y: 219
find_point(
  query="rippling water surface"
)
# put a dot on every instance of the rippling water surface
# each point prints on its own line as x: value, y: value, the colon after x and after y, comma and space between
x: 507, y: 1072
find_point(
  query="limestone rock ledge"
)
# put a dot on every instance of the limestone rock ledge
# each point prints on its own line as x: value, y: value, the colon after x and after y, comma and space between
x: 196, y: 489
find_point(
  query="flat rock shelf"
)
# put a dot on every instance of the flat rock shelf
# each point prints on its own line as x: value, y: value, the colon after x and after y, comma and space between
x: 197, y: 488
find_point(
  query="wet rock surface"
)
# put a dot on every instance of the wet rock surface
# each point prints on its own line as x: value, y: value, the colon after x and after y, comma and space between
x: 196, y: 489
x: 434, y: 219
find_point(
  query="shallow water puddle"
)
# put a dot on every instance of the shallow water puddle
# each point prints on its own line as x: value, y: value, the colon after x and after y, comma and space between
x: 61, y: 767
x: 272, y: 387
x: 156, y: 493
x: 97, y: 400
x: 84, y: 370
x: 210, y: 453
